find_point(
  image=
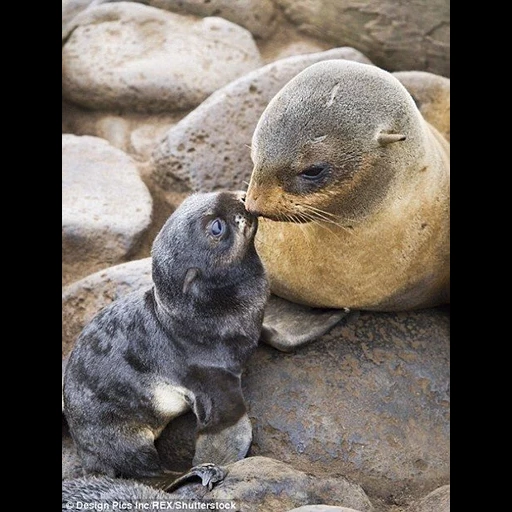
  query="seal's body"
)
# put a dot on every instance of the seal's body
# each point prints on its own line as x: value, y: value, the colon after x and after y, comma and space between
x: 353, y: 187
x: 181, y: 345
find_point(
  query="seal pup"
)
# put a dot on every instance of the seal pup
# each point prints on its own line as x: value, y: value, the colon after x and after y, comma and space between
x: 181, y: 345
x: 352, y: 187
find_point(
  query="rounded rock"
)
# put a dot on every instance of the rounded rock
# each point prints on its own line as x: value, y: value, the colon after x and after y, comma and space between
x: 436, y: 501
x: 257, y: 16
x: 322, y: 508
x: 106, y: 208
x: 260, y: 484
x: 396, y: 36
x: 369, y: 400
x: 140, y: 58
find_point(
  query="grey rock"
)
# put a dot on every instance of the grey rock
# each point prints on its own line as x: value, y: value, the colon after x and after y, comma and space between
x: 134, y: 133
x: 70, y: 8
x: 209, y: 149
x: 436, y: 501
x: 83, y: 299
x: 106, y: 208
x: 260, y: 484
x: 130, y: 56
x: 432, y: 95
x: 369, y: 400
x: 322, y: 508
x: 396, y: 36
x: 257, y: 16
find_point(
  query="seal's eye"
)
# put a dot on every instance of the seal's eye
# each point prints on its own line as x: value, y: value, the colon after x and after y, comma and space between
x: 315, y: 172
x: 217, y: 228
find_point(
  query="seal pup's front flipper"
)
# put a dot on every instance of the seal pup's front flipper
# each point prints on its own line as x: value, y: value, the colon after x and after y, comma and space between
x: 287, y: 326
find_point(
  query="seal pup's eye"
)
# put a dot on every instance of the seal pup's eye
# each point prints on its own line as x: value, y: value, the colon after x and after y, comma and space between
x: 315, y: 172
x: 217, y: 228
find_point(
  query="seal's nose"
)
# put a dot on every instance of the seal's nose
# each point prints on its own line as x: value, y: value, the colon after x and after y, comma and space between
x: 251, y: 204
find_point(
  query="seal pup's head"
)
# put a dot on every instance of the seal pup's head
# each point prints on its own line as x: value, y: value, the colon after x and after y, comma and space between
x: 207, y: 243
x: 331, y: 143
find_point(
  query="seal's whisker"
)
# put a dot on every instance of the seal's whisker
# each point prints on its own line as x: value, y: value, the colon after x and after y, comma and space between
x: 317, y: 214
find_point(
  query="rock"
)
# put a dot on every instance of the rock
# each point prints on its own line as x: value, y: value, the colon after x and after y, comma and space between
x: 70, y: 8
x: 210, y: 148
x: 396, y: 36
x: 432, y: 95
x: 257, y: 16
x: 436, y: 501
x: 106, y: 208
x: 83, y: 299
x: 260, y: 484
x: 300, y: 48
x: 135, y: 57
x: 369, y: 400
x: 135, y: 134
x: 322, y: 508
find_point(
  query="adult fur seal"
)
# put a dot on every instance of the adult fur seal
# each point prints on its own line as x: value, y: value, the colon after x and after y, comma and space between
x: 152, y: 355
x: 353, y: 187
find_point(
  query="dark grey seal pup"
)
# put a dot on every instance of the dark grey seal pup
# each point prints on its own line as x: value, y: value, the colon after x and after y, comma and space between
x: 152, y: 355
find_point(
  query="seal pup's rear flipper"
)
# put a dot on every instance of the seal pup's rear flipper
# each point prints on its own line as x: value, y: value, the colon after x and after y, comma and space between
x: 209, y: 474
x: 287, y: 326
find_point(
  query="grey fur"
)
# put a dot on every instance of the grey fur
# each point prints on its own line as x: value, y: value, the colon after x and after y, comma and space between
x: 190, y: 334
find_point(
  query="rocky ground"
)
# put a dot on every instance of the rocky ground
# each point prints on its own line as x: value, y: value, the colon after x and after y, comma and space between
x: 160, y: 98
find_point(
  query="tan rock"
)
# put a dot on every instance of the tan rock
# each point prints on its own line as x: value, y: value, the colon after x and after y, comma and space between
x: 394, y: 35
x: 130, y: 56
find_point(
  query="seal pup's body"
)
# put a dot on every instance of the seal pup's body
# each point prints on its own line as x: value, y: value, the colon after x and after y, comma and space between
x: 152, y: 355
x: 353, y: 187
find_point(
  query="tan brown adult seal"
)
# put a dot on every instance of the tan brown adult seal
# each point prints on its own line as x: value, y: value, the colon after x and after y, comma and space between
x: 353, y: 185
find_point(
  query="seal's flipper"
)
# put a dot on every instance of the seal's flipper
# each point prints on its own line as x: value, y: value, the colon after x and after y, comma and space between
x: 209, y: 474
x: 287, y: 326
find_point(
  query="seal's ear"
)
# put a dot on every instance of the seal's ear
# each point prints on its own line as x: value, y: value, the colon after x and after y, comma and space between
x: 388, y: 138
x: 190, y: 276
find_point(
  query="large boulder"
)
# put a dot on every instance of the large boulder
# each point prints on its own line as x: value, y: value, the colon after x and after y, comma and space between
x: 209, y: 149
x: 369, y: 400
x: 106, y: 208
x: 395, y: 35
x: 130, y: 56
x: 260, y: 484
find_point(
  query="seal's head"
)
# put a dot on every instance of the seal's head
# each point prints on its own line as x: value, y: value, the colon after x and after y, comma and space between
x: 331, y: 142
x: 209, y: 238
